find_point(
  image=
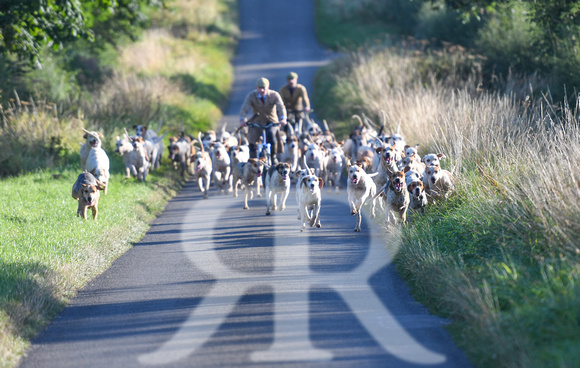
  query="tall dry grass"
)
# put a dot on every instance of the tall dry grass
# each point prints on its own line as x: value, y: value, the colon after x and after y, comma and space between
x: 32, y: 135
x: 503, y: 251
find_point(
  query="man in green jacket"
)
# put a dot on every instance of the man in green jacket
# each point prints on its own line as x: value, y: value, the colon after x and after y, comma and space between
x: 295, y: 99
x: 267, y: 106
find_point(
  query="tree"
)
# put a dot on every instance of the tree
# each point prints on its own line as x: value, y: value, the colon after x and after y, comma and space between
x: 28, y: 25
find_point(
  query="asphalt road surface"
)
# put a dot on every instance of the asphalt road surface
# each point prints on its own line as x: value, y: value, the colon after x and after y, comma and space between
x: 213, y: 285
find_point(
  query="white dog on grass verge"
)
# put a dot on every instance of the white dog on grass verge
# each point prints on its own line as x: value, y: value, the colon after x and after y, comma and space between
x: 98, y: 161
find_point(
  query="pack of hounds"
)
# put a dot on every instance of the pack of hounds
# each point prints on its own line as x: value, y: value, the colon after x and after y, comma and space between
x: 379, y: 167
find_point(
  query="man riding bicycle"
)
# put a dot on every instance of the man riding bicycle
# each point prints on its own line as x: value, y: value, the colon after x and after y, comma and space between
x: 295, y: 99
x: 267, y: 107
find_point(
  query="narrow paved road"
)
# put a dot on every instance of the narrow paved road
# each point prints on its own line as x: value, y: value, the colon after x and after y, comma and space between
x: 213, y: 285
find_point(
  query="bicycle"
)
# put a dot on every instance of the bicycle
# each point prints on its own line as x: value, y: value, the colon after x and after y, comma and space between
x: 264, y: 146
x: 295, y: 119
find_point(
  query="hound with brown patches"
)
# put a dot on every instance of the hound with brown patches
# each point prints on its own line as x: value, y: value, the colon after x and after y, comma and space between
x: 291, y: 153
x: 86, y: 190
x: 360, y: 186
x: 417, y: 196
x: 246, y: 173
x: 433, y: 159
x: 124, y: 148
x: 439, y: 182
x: 277, y: 184
x: 397, y: 198
x: 140, y: 159
x: 334, y: 166
x: 309, y: 198
x: 390, y: 156
x: 203, y: 168
x: 221, y: 167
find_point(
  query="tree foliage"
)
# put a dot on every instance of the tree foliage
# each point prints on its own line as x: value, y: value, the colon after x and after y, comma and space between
x: 26, y: 26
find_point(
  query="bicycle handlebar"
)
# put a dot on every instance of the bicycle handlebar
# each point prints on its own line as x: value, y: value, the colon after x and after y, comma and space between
x: 256, y: 125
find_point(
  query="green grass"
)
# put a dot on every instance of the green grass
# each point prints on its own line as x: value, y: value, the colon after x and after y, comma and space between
x: 500, y: 257
x: 47, y: 252
x: 179, y: 71
x: 350, y: 34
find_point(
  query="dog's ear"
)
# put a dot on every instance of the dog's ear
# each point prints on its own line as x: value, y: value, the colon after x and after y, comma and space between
x: 320, y: 182
x: 101, y: 185
x: 304, y: 181
x: 441, y: 156
x: 135, y: 126
x: 85, y: 136
x: 406, y: 169
x: 263, y: 159
x: 359, y: 164
x: 407, y: 146
x: 379, y: 149
x: 410, y: 187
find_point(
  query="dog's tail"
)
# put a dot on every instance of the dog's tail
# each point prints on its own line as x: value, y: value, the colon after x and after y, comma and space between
x: 379, y: 192
x: 159, y: 126
x: 305, y: 164
x: 200, y: 142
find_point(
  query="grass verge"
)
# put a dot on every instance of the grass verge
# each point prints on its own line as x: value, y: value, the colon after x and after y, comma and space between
x: 48, y: 253
x: 499, y: 258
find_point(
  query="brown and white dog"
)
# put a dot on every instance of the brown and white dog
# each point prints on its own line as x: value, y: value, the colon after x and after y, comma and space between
x: 390, y: 156
x: 124, y: 148
x: 86, y: 190
x: 433, y: 159
x: 202, y: 169
x: 334, y: 166
x: 439, y: 182
x: 180, y: 152
x: 309, y: 196
x: 360, y: 186
x: 221, y: 163
x: 418, y: 196
x: 291, y: 153
x: 397, y: 198
x: 277, y: 184
x: 139, y: 159
x: 246, y: 173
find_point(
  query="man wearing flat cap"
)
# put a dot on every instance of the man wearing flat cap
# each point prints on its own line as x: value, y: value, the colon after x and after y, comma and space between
x: 295, y: 98
x: 266, y: 106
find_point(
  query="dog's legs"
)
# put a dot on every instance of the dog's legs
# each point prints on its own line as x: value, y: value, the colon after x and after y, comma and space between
x: 95, y: 211
x: 358, y: 221
x: 274, y: 200
x: 228, y: 180
x: 283, y: 199
x: 303, y: 216
x: 207, y: 182
x: 315, y: 219
x: 258, y: 184
x: 372, y: 208
x: 235, y: 187
x: 351, y: 203
x: 84, y: 212
x: 248, y: 193
x: 269, y: 201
